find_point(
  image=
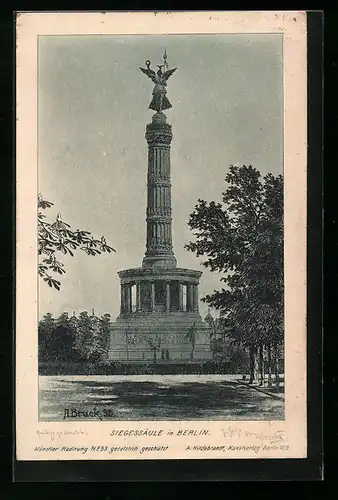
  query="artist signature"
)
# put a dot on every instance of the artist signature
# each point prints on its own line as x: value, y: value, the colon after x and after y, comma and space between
x: 87, y: 414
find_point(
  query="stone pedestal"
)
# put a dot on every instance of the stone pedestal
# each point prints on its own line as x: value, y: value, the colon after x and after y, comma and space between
x: 161, y: 338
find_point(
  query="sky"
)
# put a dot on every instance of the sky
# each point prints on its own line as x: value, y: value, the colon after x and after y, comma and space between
x: 93, y: 103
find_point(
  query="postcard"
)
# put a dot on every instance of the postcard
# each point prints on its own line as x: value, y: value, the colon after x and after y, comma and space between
x: 161, y: 235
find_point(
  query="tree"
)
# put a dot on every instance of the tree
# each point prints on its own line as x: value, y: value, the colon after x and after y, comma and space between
x: 45, y: 336
x: 242, y: 238
x: 105, y: 329
x: 83, y: 335
x: 74, y: 339
x: 222, y: 346
x: 57, y: 238
x: 92, y: 337
x: 64, y: 339
x: 56, y: 338
x: 97, y: 348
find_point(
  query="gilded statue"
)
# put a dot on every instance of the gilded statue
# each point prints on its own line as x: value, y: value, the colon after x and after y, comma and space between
x: 159, y: 101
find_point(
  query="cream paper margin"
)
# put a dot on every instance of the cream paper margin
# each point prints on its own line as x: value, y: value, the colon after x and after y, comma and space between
x: 291, y: 433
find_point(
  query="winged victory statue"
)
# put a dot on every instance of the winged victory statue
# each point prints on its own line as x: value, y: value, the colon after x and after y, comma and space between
x: 159, y: 101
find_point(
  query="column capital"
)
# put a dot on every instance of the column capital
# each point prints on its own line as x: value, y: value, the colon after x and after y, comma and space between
x: 158, y: 133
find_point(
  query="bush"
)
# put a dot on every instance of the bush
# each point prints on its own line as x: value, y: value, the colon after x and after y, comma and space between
x: 114, y: 368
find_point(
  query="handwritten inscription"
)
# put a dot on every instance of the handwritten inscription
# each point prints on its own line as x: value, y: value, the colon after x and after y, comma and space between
x: 53, y: 435
x: 238, y: 433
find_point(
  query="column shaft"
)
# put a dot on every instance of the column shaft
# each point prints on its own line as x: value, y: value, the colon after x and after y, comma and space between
x: 180, y: 297
x: 195, y: 297
x: 123, y: 298
x: 129, y: 298
x: 138, y: 296
x: 152, y: 296
x: 159, y: 247
x: 190, y: 297
x: 167, y: 303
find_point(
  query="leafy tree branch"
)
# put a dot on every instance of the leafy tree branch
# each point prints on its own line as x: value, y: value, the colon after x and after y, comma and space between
x: 57, y: 238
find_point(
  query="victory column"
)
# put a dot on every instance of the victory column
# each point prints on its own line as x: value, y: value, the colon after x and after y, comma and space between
x: 163, y: 323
